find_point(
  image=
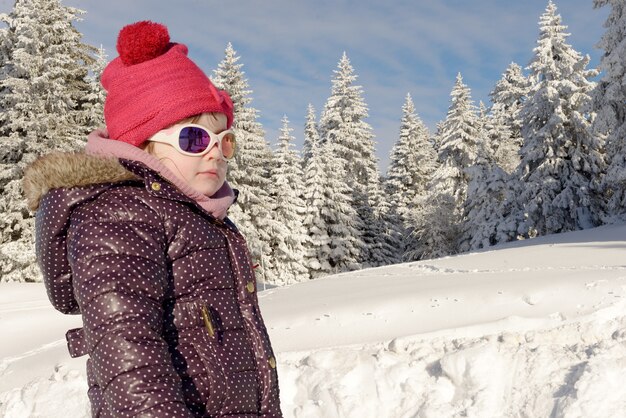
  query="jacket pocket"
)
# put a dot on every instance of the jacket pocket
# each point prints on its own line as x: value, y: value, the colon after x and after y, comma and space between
x: 204, y: 344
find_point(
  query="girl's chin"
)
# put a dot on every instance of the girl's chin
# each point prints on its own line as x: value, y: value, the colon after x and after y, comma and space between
x: 208, y: 187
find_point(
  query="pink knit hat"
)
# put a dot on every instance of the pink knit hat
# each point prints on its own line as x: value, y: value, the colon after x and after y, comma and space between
x: 153, y: 84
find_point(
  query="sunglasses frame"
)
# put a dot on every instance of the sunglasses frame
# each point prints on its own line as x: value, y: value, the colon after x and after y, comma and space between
x: 172, y: 137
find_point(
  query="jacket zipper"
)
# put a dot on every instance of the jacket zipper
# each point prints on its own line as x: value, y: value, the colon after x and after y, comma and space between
x: 208, y: 320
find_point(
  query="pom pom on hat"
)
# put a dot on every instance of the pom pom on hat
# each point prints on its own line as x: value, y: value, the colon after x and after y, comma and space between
x: 153, y: 85
x: 142, y: 41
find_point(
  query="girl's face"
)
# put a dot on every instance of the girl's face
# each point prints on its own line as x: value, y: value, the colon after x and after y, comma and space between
x: 205, y: 174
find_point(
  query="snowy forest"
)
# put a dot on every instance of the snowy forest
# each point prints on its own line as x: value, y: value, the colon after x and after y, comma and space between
x: 547, y: 155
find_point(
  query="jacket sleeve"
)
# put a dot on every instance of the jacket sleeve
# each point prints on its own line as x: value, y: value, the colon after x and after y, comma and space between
x: 120, y: 281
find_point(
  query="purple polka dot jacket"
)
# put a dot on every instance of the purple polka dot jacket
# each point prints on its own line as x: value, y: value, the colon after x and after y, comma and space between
x: 167, y: 293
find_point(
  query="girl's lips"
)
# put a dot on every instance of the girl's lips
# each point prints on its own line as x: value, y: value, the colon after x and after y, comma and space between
x: 209, y: 172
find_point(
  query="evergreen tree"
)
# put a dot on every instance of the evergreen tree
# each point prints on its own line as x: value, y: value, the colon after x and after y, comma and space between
x: 482, y: 115
x: 486, y: 141
x: 436, y: 138
x: 249, y: 171
x: 412, y: 162
x: 332, y: 245
x: 5, y: 55
x: 17, y: 255
x: 436, y: 230
x: 609, y: 98
x: 561, y: 160
x: 343, y: 124
x: 43, y: 83
x: 460, y: 135
x: 477, y: 196
x: 311, y: 135
x: 490, y: 211
x: 338, y: 213
x: 497, y: 136
x: 505, y: 131
x: 439, y: 215
x: 380, y: 236
x: 93, y: 115
x: 487, y: 209
x: 316, y: 185
x: 287, y: 178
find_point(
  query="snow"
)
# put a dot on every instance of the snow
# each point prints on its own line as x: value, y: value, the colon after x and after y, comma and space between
x: 535, y: 328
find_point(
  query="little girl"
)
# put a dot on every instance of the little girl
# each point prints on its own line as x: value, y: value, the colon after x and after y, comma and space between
x: 133, y: 235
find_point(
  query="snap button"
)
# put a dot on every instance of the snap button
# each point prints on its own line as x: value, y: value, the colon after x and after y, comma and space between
x: 250, y: 287
x: 272, y: 362
x: 156, y: 186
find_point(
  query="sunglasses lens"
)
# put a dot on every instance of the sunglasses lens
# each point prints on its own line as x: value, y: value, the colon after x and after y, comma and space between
x: 193, y: 140
x: 228, y: 145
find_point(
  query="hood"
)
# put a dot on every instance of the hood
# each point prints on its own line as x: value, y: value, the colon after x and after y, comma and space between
x: 69, y: 170
x: 54, y: 185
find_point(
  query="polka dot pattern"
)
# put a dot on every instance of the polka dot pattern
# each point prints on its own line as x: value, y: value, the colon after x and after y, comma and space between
x: 171, y: 321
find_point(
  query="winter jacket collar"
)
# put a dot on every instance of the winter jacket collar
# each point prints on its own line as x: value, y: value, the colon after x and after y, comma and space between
x: 70, y: 170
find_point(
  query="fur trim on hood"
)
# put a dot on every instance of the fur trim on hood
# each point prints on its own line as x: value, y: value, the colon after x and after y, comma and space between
x: 66, y: 170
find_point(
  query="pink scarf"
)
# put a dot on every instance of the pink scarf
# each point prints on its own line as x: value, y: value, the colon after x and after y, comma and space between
x: 98, y: 143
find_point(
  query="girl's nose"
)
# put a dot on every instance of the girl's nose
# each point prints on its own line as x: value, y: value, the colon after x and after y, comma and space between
x: 214, y: 153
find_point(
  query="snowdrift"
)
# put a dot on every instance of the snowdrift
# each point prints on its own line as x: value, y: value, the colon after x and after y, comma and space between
x: 529, y: 329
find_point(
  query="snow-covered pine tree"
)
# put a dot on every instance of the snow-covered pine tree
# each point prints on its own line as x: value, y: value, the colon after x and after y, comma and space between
x: 490, y: 206
x: 5, y: 52
x: 249, y: 171
x: 311, y: 135
x: 381, y: 235
x: 412, y: 162
x: 338, y: 213
x: 333, y: 245
x: 477, y: 196
x: 316, y: 183
x: 460, y: 136
x: 398, y: 182
x: 562, y: 164
x: 499, y: 146
x: 483, y: 114
x: 43, y: 88
x: 493, y: 212
x: 438, y: 216
x: 486, y: 204
x: 436, y: 137
x: 93, y: 115
x: 505, y: 131
x: 494, y: 131
x: 487, y: 207
x: 288, y: 251
x: 43, y: 83
x: 484, y: 122
x: 343, y: 123
x: 436, y: 230
x: 609, y: 98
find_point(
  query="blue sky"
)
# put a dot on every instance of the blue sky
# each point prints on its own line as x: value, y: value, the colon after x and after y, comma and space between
x: 290, y: 48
